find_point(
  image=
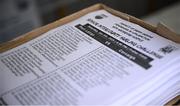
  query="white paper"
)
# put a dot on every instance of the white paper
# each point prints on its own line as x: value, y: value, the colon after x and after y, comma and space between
x: 95, y: 59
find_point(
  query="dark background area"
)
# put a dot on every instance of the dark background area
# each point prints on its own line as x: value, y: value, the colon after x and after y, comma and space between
x: 20, y: 16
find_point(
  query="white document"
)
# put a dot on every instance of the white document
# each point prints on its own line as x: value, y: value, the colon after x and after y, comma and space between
x: 96, y: 59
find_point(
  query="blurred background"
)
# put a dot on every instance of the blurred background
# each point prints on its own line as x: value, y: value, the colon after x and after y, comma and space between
x: 20, y: 16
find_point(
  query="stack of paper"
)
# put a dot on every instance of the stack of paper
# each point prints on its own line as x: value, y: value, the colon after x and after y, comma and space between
x: 98, y: 59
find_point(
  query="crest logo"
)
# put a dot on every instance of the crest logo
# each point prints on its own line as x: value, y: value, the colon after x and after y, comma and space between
x: 101, y: 16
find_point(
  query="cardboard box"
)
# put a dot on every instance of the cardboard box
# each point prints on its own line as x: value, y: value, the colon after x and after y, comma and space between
x: 160, y: 29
